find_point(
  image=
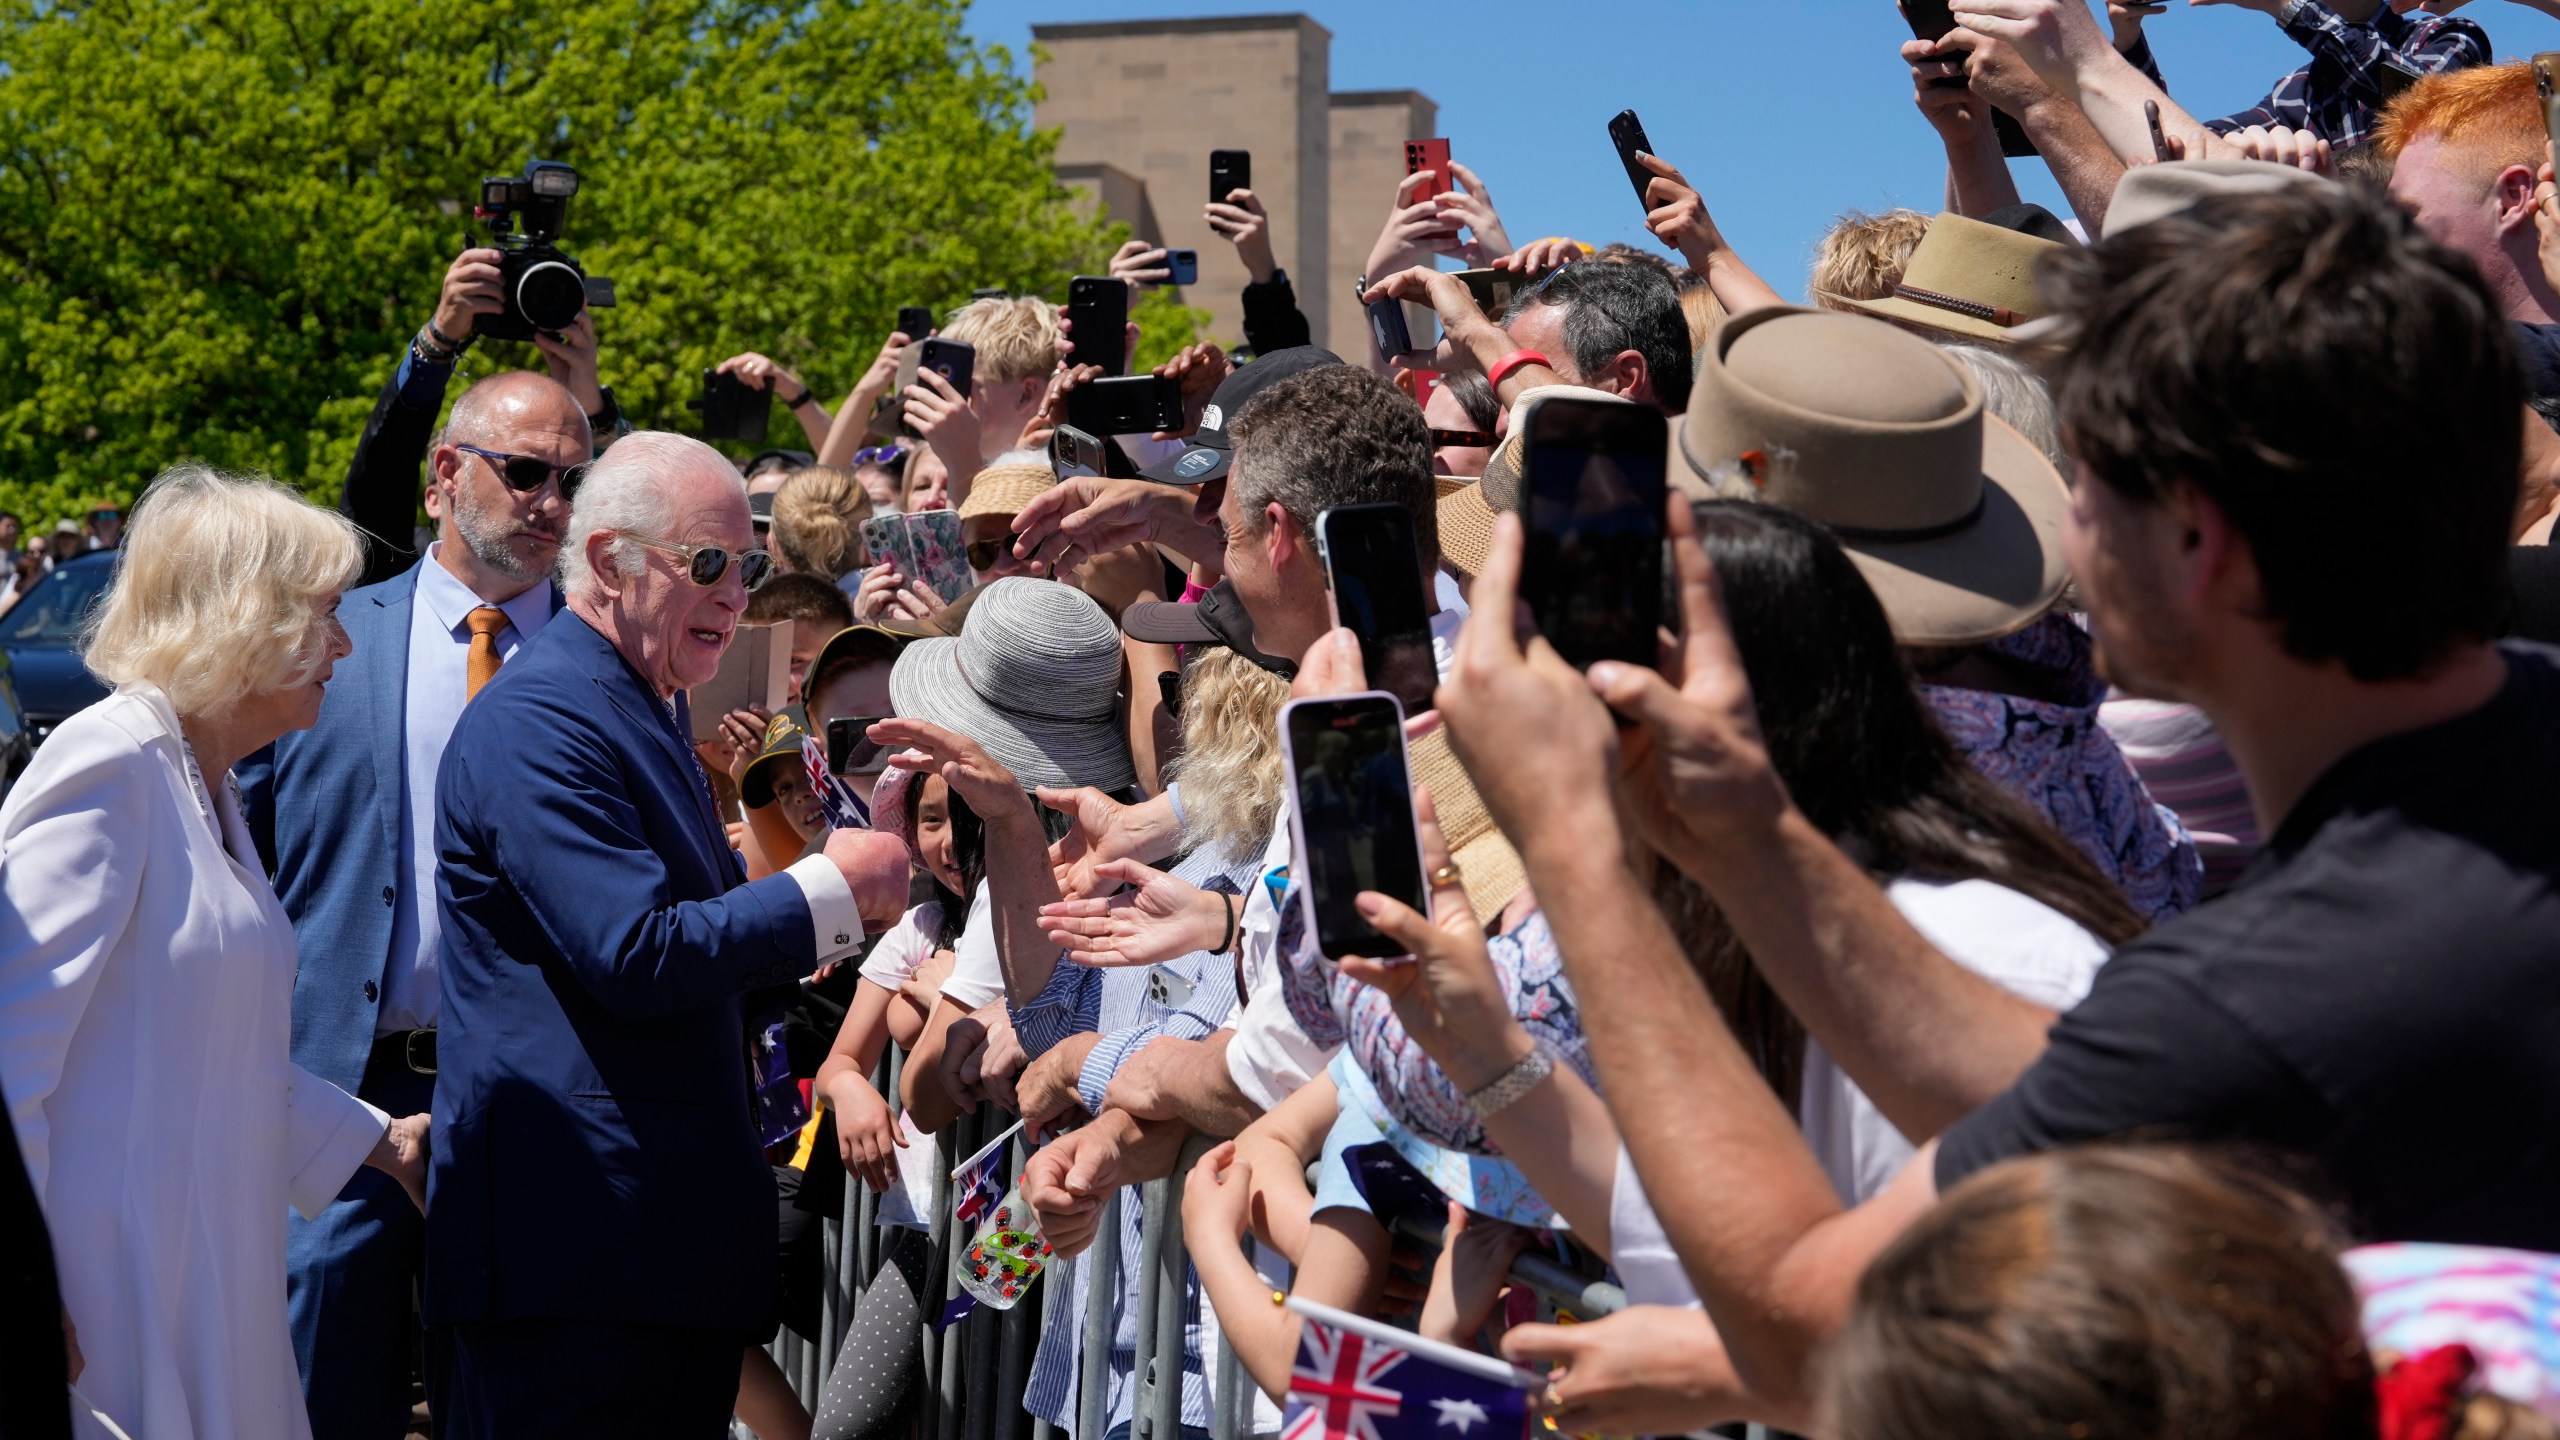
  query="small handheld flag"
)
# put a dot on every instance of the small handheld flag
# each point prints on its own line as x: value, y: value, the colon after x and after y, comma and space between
x: 1359, y: 1380
x: 844, y: 809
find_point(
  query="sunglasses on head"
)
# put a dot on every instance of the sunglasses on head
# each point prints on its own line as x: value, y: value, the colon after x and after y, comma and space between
x: 1461, y: 439
x: 707, y: 563
x: 983, y: 554
x: 525, y: 473
x: 879, y: 455
x: 106, y: 514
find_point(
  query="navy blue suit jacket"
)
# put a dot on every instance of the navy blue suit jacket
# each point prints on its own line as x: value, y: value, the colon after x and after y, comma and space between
x: 595, y: 1155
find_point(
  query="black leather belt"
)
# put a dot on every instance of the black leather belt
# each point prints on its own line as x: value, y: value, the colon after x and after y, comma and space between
x: 414, y: 1049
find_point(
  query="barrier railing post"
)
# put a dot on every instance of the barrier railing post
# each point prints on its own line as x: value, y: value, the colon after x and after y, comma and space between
x: 1227, y: 1421
x: 1142, y: 1370
x: 1166, y: 1278
x: 1100, y: 1266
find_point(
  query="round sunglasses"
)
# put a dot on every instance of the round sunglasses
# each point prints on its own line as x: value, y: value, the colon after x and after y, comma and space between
x: 983, y: 554
x: 526, y: 473
x: 705, y: 564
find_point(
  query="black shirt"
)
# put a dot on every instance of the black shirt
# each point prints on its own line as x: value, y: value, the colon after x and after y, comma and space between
x: 2380, y: 992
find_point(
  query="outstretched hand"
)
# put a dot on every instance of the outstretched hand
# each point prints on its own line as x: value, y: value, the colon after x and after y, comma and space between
x: 402, y: 1154
x: 964, y: 764
x: 1161, y: 919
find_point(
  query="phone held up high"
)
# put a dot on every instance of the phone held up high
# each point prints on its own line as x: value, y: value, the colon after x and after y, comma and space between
x: 1375, y: 570
x: 1229, y: 171
x: 1627, y: 133
x: 954, y: 360
x: 732, y: 409
x: 1126, y: 405
x: 1386, y: 323
x: 1592, y: 573
x: 1185, y: 265
x: 1351, y: 787
x: 1098, y: 306
x: 1930, y: 20
x: 915, y: 321
x: 1433, y: 156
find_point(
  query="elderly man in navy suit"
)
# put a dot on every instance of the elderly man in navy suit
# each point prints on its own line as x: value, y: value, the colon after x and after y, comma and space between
x: 600, y: 1216
x: 345, y: 812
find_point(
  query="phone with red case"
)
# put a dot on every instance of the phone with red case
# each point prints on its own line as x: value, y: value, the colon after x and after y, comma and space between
x: 1431, y: 155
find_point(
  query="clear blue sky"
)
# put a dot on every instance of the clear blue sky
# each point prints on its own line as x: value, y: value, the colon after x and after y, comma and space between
x: 1784, y: 112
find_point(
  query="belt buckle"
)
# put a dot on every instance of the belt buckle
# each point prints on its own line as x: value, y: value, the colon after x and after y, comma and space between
x: 409, y: 1052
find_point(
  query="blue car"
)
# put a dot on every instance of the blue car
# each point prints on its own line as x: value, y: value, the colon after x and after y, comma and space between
x: 41, y: 635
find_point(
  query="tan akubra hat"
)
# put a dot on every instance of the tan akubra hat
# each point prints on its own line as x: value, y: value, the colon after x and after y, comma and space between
x: 1967, y: 278
x: 1953, y: 517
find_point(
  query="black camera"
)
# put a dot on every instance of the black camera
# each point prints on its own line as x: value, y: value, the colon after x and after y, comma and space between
x: 544, y: 288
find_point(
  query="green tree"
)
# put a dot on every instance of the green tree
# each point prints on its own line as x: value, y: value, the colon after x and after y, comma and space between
x: 220, y: 222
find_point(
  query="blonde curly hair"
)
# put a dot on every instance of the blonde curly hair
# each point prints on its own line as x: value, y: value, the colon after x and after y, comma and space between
x: 1864, y: 256
x: 1230, y: 761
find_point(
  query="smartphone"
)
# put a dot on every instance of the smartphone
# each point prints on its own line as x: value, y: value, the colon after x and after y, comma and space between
x: 1433, y: 156
x: 1493, y: 289
x: 1592, y: 572
x: 732, y: 409
x: 850, y: 748
x: 953, y: 360
x: 1185, y: 265
x: 941, y: 556
x: 1386, y: 324
x: 2546, y: 81
x: 1930, y: 20
x: 890, y: 420
x: 915, y: 321
x: 1375, y: 569
x: 1229, y: 171
x: 2160, y: 142
x: 1627, y: 133
x: 1099, y: 306
x: 1074, y: 452
x: 1353, y: 814
x: 1126, y: 405
x: 884, y: 538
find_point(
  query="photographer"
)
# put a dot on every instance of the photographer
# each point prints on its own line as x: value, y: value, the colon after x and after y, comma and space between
x: 382, y: 486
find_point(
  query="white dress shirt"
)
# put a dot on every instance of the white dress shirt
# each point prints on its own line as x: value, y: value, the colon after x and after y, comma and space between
x: 439, y: 677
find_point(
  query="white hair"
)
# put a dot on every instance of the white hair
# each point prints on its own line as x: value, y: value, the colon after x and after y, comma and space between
x: 630, y: 492
x: 2014, y: 393
x: 218, y: 596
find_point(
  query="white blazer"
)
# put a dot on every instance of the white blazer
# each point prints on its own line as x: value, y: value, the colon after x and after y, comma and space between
x: 146, y: 1002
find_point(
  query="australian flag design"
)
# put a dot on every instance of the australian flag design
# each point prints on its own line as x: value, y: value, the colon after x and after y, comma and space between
x: 1374, y: 1383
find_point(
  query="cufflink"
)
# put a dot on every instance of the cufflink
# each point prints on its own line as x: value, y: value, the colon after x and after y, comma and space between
x: 844, y: 939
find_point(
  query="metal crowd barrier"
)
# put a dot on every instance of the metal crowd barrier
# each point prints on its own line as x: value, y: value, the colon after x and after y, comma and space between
x: 975, y: 1374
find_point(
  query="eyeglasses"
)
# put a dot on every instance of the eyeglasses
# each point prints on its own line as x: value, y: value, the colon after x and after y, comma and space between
x: 524, y: 474
x: 879, y: 455
x: 106, y: 514
x: 707, y: 563
x: 983, y: 554
x: 1461, y: 439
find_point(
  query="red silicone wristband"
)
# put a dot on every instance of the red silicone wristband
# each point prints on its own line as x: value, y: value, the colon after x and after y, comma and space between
x: 1511, y: 362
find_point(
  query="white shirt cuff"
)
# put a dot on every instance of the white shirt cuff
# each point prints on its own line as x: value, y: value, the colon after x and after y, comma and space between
x: 834, y: 916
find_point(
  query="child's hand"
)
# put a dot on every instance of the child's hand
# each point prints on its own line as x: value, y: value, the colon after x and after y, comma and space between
x: 1473, y: 1270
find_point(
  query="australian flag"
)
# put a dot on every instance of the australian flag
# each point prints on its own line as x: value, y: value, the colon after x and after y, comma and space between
x: 845, y: 810
x: 978, y: 1186
x: 1359, y: 1380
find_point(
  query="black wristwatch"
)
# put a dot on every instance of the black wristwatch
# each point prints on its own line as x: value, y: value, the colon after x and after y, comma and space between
x: 607, y: 421
x: 806, y: 395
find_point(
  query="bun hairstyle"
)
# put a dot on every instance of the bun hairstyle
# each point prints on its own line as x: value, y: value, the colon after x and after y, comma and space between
x: 817, y: 521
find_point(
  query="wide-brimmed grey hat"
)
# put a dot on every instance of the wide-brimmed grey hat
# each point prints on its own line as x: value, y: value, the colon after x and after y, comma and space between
x: 1034, y: 676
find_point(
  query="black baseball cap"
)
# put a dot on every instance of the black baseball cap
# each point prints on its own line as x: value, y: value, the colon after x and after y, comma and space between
x: 1211, y: 451
x: 1217, y: 618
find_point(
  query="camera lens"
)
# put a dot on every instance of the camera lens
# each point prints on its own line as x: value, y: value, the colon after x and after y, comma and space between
x: 549, y: 295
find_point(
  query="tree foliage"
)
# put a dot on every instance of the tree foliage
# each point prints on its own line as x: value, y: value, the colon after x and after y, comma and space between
x: 221, y: 222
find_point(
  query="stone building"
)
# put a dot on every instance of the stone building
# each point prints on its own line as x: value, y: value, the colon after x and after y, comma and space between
x: 1139, y: 105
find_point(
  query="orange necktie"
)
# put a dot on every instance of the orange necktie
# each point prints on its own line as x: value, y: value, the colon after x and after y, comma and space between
x: 484, y: 624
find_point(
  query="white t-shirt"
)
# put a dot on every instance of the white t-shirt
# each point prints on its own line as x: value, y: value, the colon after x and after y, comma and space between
x: 2023, y: 945
x: 977, y: 973
x: 902, y: 951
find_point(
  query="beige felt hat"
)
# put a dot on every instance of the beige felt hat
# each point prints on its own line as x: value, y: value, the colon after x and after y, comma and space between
x: 1487, y: 865
x: 1967, y: 278
x: 1953, y: 517
x: 2155, y: 192
x: 1467, y: 510
x: 1005, y: 489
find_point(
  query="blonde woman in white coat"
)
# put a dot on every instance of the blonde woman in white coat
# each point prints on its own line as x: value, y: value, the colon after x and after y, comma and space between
x: 146, y: 970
